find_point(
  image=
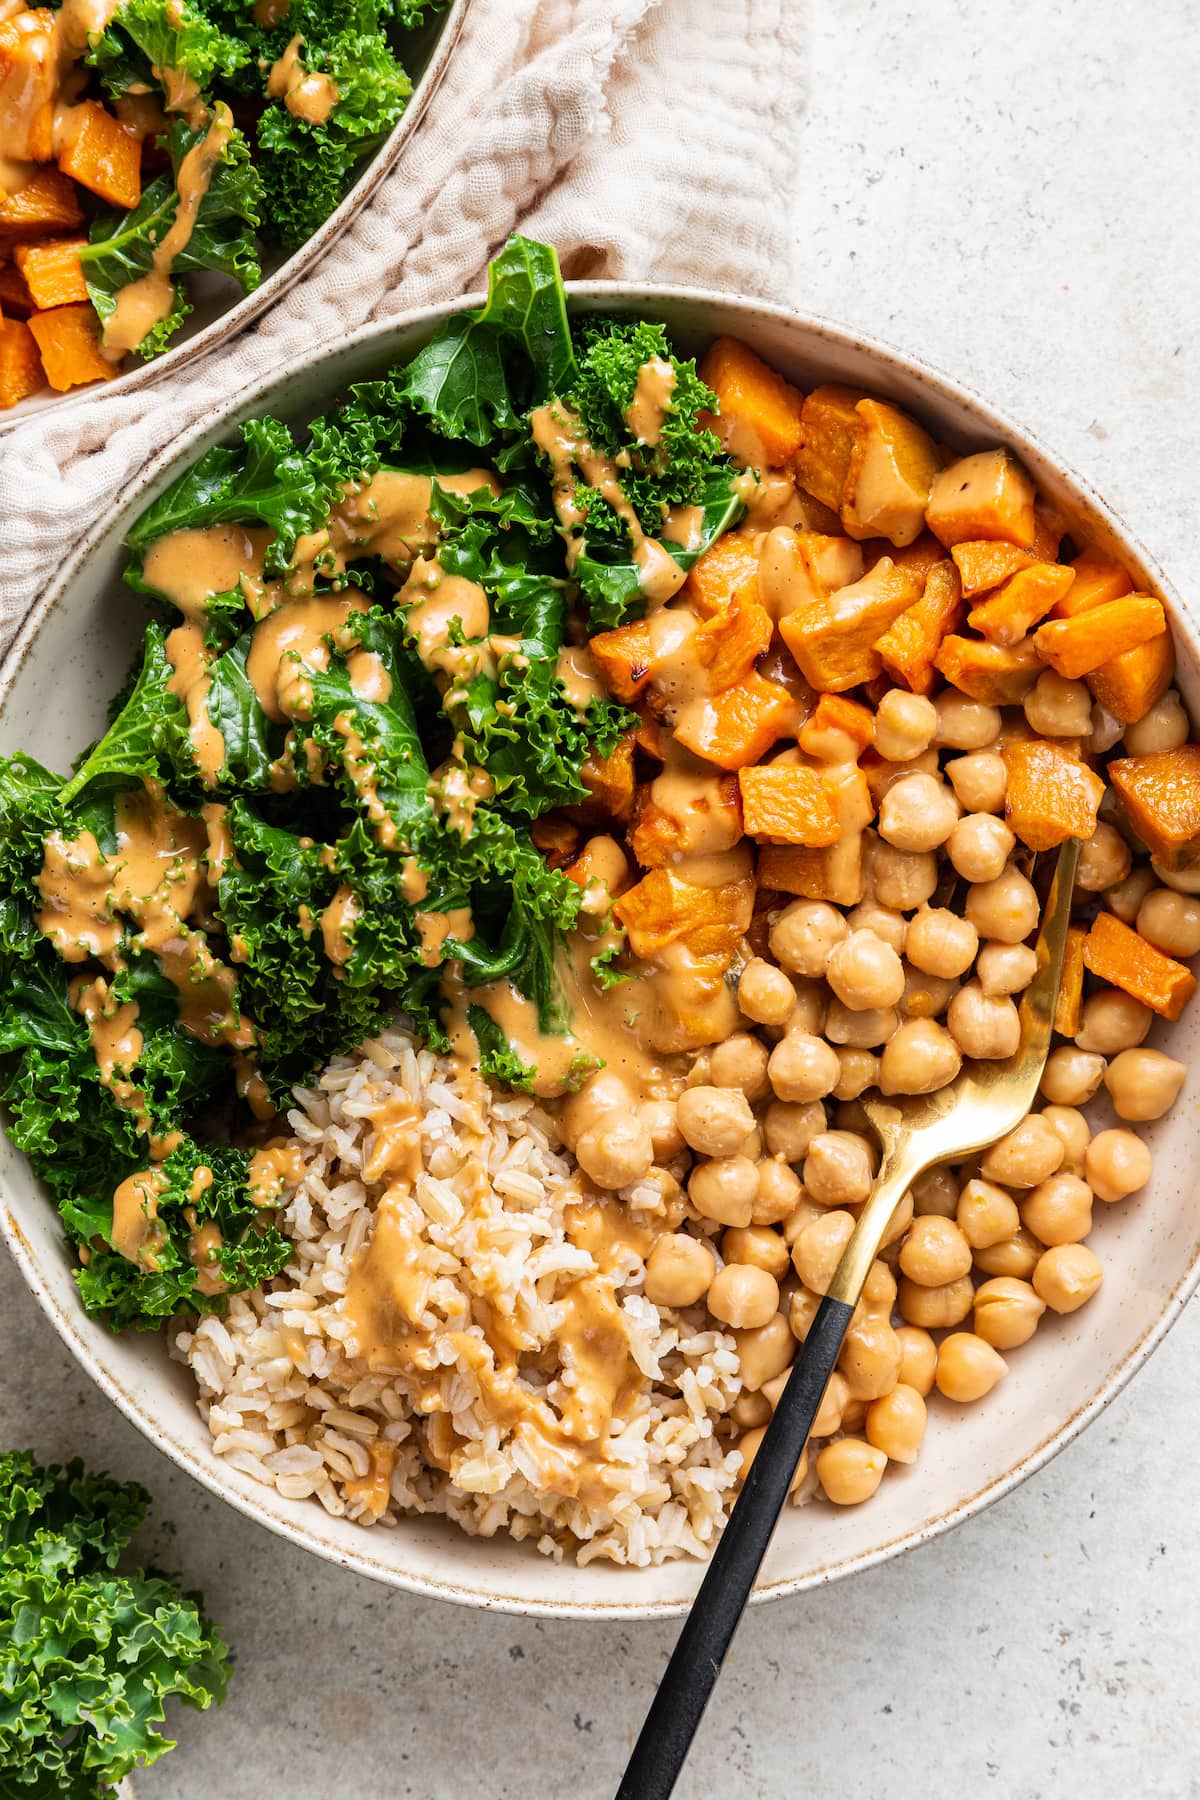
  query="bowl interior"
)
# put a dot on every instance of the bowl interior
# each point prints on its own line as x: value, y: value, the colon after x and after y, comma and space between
x: 53, y: 692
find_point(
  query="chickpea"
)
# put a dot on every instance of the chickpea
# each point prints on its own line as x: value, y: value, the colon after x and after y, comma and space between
x: 850, y: 1471
x: 743, y: 1296
x: 965, y: 724
x: 968, y: 1367
x: 832, y: 1408
x: 801, y: 1311
x: 750, y: 1410
x: 779, y: 1190
x: 1112, y: 1021
x: 870, y: 1358
x: 1164, y: 727
x: 602, y: 1093
x: 1105, y: 732
x: 879, y: 1290
x: 1004, y: 907
x: 896, y: 1423
x: 940, y: 943
x: 1058, y: 1211
x: 1171, y: 922
x: 817, y: 1252
x: 1015, y: 1256
x: 904, y: 725
x: 1067, y: 1276
x: 837, y: 1169
x: 935, y: 1193
x: 715, y: 1121
x: 1103, y: 861
x: 858, y: 1070
x: 918, y: 813
x: 756, y: 1244
x: 1059, y: 708
x: 865, y: 973
x: 789, y: 1129
x: 665, y: 1135
x: 986, y: 1215
x: 679, y: 1270
x: 925, y: 996
x: 748, y: 1446
x: 804, y: 936
x: 724, y: 1189
x: 935, y: 1252
x: 935, y: 1308
x: 979, y: 781
x: 1076, y: 1135
x: 919, y: 1058
x: 1006, y: 968
x: 1144, y: 1084
x: 903, y: 879
x: 1126, y: 897
x: 1007, y: 1312
x: 852, y: 1116
x: 740, y: 1062
x: 1027, y: 1154
x: 979, y: 847
x: 884, y: 921
x: 803, y: 1068
x: 1117, y: 1164
x: 765, y: 1351
x: 983, y: 1025
x: 764, y: 993
x: 863, y: 1030
x: 616, y: 1151
x: 1180, y: 881
x: 899, y: 1222
x: 918, y: 1358
x: 1071, y: 1077
x: 808, y: 1014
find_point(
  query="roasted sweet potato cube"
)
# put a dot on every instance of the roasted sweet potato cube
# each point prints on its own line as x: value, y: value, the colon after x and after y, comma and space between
x: 1097, y: 579
x: 730, y: 643
x: 663, y: 910
x: 716, y: 576
x: 1160, y: 797
x: 834, y: 874
x: 786, y: 803
x: 686, y: 813
x: 916, y: 558
x: 833, y: 640
x: 28, y: 86
x: 909, y: 645
x: 15, y: 299
x: 759, y: 418
x: 993, y: 673
x: 1049, y: 529
x: 1128, y: 685
x: 624, y: 658
x: 889, y: 476
x: 103, y: 155
x: 651, y: 735
x: 21, y: 372
x: 1075, y: 647
x: 830, y: 425
x: 804, y: 565
x: 740, y: 725
x: 1009, y: 614
x: 601, y: 860
x: 557, y: 837
x: 837, y: 729
x: 609, y: 782
x: 44, y: 207
x: 1116, y: 954
x: 987, y: 495
x: 52, y: 271
x: 1068, y: 1008
x: 69, y: 340
x: 1051, y: 793
x: 983, y: 564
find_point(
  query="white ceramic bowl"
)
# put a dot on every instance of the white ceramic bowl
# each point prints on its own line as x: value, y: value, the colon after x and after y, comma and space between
x: 71, y: 656
x: 219, y: 308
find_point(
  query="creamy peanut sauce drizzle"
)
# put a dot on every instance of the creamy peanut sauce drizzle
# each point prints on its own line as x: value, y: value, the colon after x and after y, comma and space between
x: 137, y: 1233
x: 311, y: 97
x: 652, y: 396
x: 190, y: 566
x: 337, y: 926
x: 190, y: 659
x: 579, y: 677
x: 271, y: 1169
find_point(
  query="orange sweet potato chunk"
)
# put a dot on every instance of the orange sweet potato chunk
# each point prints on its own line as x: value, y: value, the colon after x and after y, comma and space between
x: 1097, y: 579
x: 716, y: 576
x: 625, y: 658
x: 1119, y: 955
x: 609, y: 782
x: 1051, y: 794
x: 833, y: 719
x: 910, y: 645
x: 988, y: 495
x: 52, y: 271
x: 1010, y: 613
x: 830, y: 425
x: 891, y: 470
x: 103, y: 155
x: 21, y: 372
x: 833, y: 640
x: 730, y: 643
x: 15, y: 299
x: 1068, y: 1008
x: 28, y: 86
x: 1160, y: 796
x: 983, y: 564
x: 993, y: 673
x: 1128, y: 685
x: 661, y: 910
x: 787, y: 804
x: 45, y: 205
x: 557, y: 837
x: 709, y: 821
x: 738, y: 726
x: 1075, y: 647
x: 760, y: 412
x: 69, y: 340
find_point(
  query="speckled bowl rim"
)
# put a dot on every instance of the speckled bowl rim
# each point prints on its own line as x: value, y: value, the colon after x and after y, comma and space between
x: 251, y: 306
x: 259, y: 396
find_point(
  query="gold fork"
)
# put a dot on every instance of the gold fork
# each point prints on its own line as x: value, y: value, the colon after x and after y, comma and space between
x: 985, y: 1101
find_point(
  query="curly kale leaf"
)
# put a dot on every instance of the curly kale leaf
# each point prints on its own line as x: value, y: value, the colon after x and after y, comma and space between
x: 409, y: 14
x: 88, y: 1655
x: 606, y: 571
x: 122, y: 245
x: 133, y: 749
x: 146, y: 35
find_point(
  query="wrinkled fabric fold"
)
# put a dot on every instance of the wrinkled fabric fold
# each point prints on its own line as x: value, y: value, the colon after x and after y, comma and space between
x: 650, y: 140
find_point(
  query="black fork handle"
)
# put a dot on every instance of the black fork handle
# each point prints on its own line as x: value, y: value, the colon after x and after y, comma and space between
x: 690, y: 1676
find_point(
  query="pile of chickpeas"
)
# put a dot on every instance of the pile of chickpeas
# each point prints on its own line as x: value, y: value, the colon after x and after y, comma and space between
x: 765, y: 1158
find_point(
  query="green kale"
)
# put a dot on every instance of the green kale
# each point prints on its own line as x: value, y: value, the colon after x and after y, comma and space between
x: 133, y: 747
x: 122, y: 245
x: 144, y: 36
x: 88, y: 1654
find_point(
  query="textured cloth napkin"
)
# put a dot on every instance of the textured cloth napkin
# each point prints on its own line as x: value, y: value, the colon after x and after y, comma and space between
x: 648, y: 139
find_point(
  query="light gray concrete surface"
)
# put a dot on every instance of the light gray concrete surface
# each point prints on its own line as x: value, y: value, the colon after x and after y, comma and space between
x: 1011, y: 191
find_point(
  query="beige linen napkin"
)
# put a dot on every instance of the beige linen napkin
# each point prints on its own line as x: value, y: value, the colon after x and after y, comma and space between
x: 648, y: 139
